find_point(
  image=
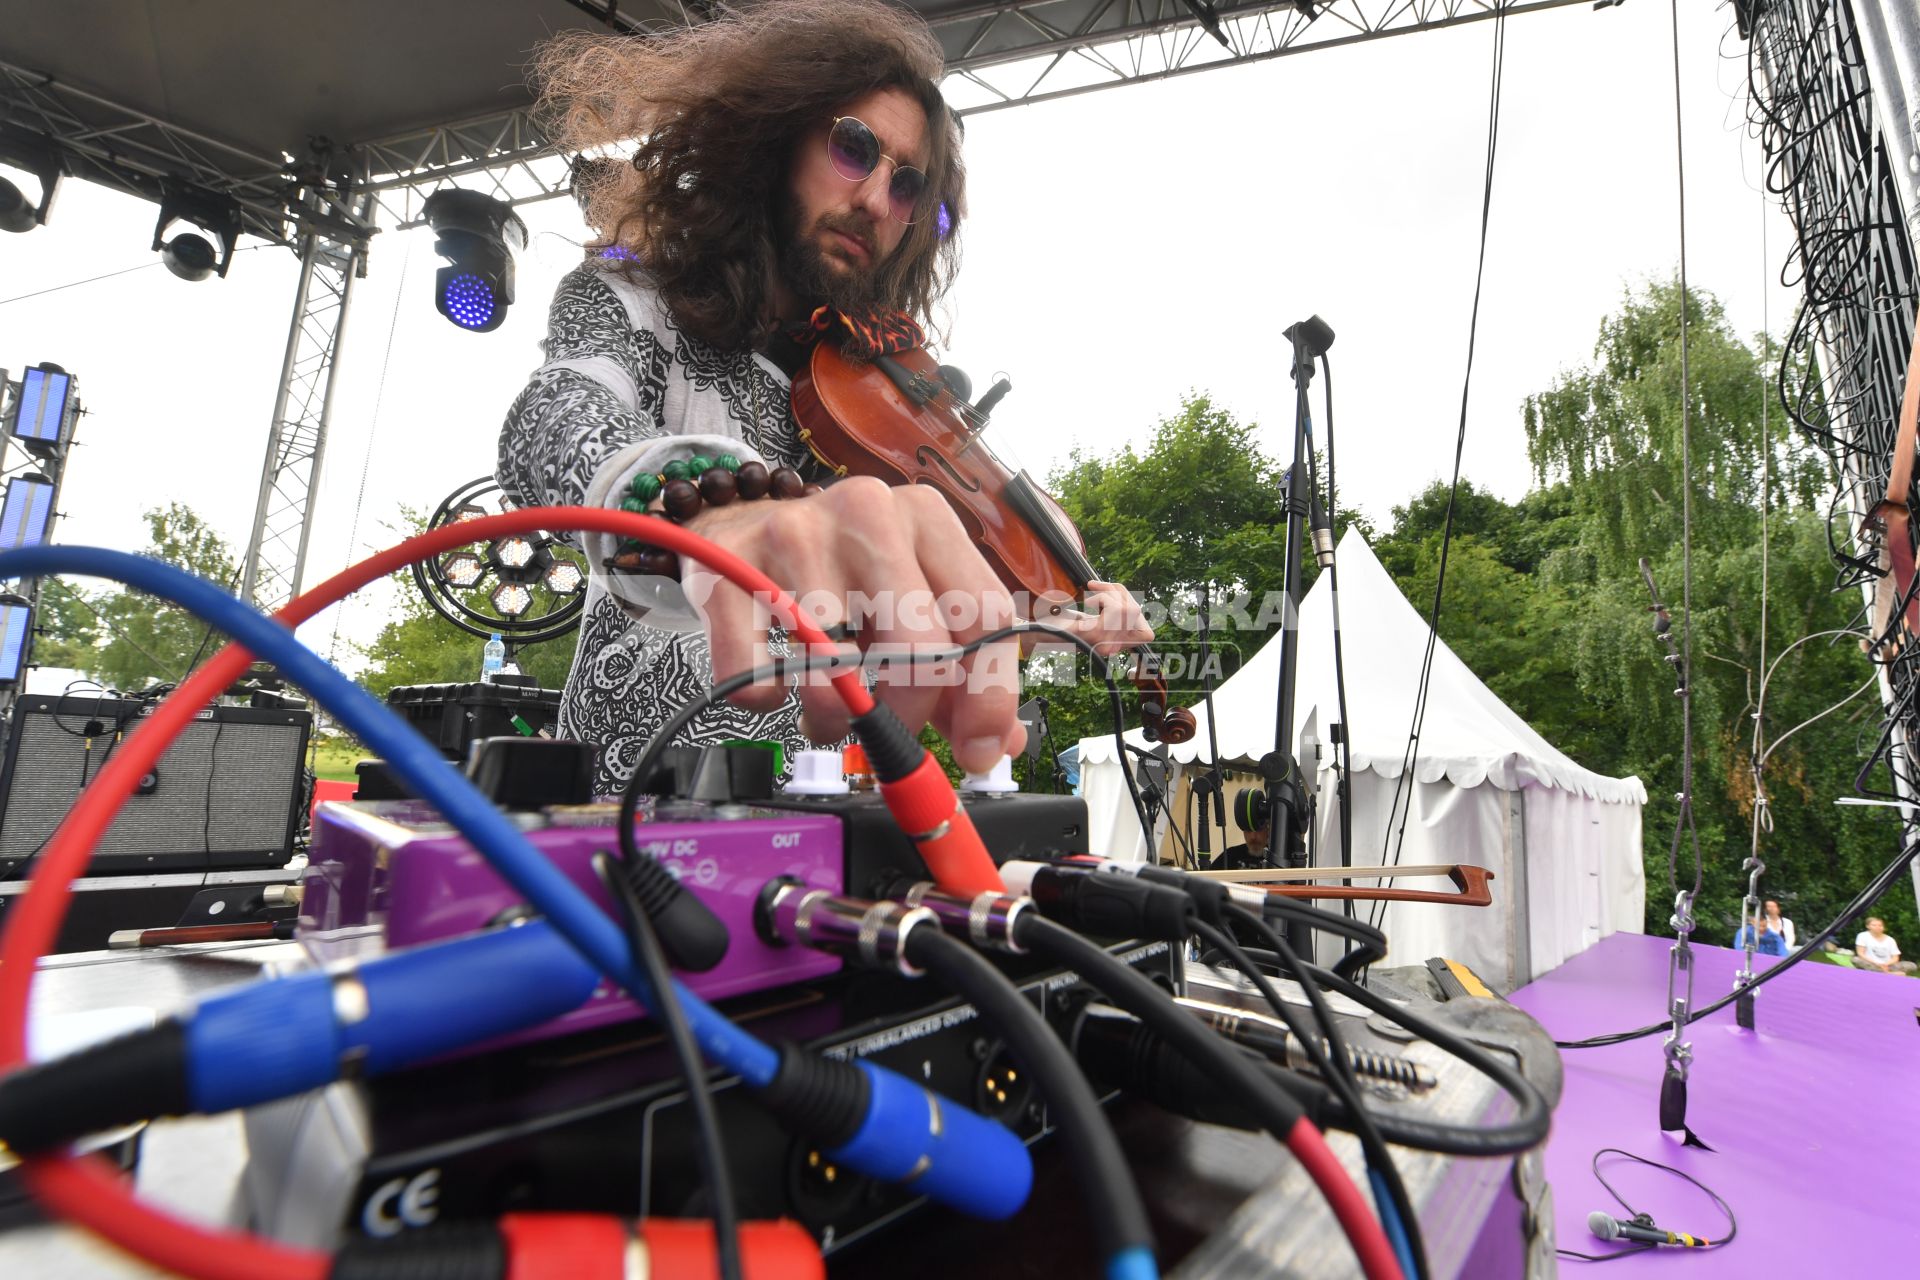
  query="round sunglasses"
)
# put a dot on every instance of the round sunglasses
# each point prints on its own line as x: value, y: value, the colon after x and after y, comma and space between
x: 855, y: 152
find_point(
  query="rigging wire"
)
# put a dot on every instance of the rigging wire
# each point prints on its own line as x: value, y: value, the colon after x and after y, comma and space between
x: 373, y: 435
x: 1411, y: 755
x: 75, y: 284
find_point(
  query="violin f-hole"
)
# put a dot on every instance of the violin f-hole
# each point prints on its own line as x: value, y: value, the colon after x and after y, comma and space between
x: 926, y: 455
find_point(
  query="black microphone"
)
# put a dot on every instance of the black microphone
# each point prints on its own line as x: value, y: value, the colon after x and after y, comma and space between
x: 1313, y: 333
x: 1609, y: 1228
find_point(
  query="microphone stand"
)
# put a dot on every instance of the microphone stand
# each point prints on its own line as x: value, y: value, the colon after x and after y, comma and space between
x: 1152, y: 798
x: 1286, y: 796
x: 1212, y: 782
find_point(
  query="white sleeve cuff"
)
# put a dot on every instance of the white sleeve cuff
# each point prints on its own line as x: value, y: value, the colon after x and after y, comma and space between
x: 657, y: 601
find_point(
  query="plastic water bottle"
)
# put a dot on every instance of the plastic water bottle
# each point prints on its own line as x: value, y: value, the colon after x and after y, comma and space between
x: 493, y: 658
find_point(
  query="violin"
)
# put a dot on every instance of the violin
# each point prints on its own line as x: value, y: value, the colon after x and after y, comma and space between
x: 905, y: 419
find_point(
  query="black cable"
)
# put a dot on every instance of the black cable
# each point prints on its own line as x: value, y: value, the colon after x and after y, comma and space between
x: 1526, y: 1130
x: 1367, y: 944
x: 1345, y: 745
x: 1113, y: 1202
x: 1328, y: 1053
x: 663, y: 737
x: 206, y: 820
x: 1180, y: 843
x: 1733, y: 1225
x: 1875, y: 887
x: 1190, y: 1037
x: 710, y: 1150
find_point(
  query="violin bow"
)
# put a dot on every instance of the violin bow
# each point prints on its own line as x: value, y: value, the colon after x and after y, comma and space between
x: 1469, y: 882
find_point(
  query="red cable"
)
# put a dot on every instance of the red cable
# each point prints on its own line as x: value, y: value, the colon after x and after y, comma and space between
x: 1350, y: 1208
x: 85, y: 1190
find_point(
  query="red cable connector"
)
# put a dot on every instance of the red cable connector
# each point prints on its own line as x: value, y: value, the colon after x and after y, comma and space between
x: 589, y: 1246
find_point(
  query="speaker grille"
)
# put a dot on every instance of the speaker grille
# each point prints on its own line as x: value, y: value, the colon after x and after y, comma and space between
x: 224, y: 793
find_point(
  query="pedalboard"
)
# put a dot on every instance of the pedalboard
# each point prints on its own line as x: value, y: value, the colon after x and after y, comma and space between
x: 599, y: 1123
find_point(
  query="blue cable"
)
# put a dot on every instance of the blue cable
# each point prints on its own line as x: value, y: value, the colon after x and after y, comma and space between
x: 1133, y: 1264
x: 1390, y: 1219
x: 964, y: 1160
x: 425, y: 771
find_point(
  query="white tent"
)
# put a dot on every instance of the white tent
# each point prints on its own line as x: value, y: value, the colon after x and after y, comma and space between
x: 1563, y: 842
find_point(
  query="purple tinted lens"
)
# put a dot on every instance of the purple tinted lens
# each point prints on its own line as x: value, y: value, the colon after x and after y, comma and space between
x: 853, y: 149
x: 904, y: 194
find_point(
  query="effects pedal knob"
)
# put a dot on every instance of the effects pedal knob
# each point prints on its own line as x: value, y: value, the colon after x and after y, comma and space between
x: 995, y: 781
x: 817, y: 773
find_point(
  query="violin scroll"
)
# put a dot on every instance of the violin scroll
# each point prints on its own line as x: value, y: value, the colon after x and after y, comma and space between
x: 1161, y: 722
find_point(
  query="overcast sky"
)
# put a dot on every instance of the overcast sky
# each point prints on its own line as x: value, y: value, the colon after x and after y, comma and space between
x: 1125, y: 247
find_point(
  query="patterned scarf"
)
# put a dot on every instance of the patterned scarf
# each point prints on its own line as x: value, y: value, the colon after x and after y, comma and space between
x: 875, y: 332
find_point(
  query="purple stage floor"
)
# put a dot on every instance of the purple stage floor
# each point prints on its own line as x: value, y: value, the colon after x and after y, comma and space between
x: 1814, y: 1118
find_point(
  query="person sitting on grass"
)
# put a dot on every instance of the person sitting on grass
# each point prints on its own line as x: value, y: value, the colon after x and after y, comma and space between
x: 1876, y: 950
x: 1768, y: 944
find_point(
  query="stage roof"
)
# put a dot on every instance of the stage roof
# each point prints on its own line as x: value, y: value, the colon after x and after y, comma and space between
x: 261, y: 101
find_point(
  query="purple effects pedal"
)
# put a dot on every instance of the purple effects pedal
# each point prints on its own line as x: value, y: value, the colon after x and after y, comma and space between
x: 387, y: 874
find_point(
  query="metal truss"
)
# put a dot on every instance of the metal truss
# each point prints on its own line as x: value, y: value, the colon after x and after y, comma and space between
x: 999, y: 55
x: 505, y: 154
x: 1016, y: 52
x: 117, y: 146
x: 276, y: 557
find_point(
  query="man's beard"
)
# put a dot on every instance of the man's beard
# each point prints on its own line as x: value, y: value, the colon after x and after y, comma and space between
x: 845, y: 286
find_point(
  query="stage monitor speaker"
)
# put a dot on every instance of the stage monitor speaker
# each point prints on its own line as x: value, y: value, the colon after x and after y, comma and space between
x: 225, y: 796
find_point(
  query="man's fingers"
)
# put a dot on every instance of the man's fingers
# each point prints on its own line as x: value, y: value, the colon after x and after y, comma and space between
x: 977, y: 712
x: 782, y: 541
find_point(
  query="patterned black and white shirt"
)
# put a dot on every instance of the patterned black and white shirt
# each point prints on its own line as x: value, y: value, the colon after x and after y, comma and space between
x: 624, y: 390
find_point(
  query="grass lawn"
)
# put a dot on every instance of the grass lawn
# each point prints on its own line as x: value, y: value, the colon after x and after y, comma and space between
x: 334, y: 758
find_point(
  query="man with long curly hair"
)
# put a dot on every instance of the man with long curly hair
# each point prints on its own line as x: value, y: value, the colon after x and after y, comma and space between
x: 796, y: 171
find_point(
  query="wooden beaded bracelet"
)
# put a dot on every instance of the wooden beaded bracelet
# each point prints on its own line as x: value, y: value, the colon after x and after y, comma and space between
x: 687, y: 486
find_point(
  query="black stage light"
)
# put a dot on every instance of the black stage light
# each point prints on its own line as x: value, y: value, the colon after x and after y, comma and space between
x: 36, y: 155
x: 15, y: 213
x: 477, y: 236
x: 190, y: 256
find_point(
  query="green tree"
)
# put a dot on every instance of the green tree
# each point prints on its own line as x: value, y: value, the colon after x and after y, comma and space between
x: 1200, y: 505
x: 127, y: 639
x: 418, y: 646
x: 69, y: 627
x: 1610, y: 436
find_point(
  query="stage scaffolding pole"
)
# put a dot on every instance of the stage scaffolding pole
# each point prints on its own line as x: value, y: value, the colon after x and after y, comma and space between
x: 276, y: 559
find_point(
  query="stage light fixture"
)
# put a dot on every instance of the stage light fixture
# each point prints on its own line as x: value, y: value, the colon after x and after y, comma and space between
x: 511, y: 599
x: 16, y: 628
x: 44, y: 410
x: 26, y: 511
x: 564, y: 577
x: 38, y: 157
x: 190, y: 256
x: 477, y: 236
x: 514, y: 553
x: 16, y: 214
x: 462, y: 569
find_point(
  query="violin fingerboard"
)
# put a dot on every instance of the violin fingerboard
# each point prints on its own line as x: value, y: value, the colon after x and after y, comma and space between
x: 1025, y: 499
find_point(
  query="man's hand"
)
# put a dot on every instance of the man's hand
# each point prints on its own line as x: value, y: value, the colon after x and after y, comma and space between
x: 902, y: 557
x: 1109, y: 616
